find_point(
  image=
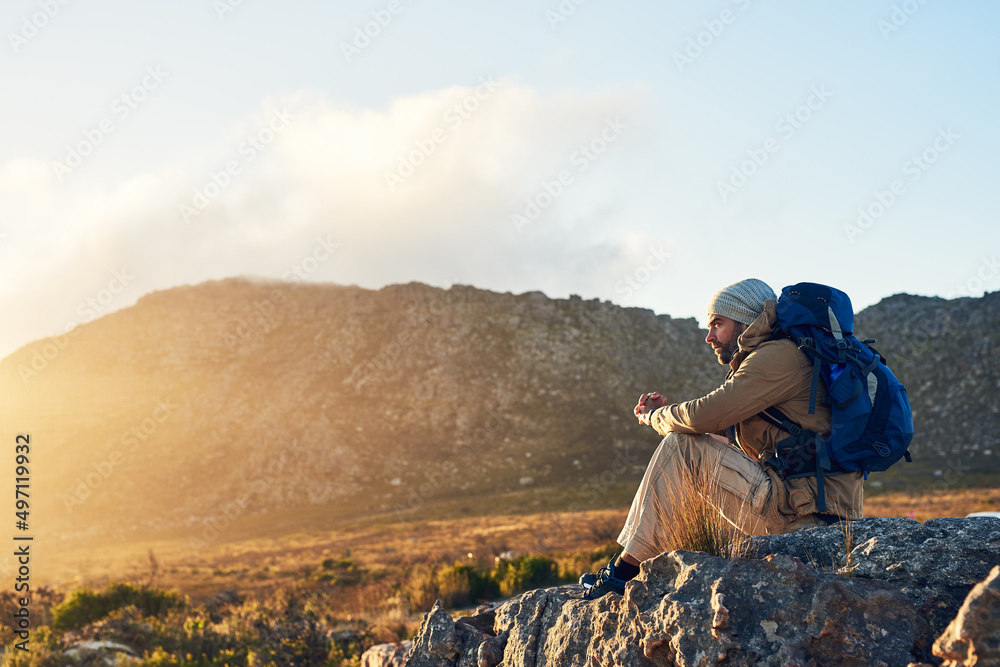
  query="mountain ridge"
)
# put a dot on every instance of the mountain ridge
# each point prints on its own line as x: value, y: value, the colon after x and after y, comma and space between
x: 256, y: 398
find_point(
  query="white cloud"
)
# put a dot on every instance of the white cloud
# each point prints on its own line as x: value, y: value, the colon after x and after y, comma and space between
x: 324, y: 173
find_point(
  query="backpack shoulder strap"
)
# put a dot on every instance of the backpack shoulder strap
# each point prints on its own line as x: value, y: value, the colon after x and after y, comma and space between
x: 776, y: 417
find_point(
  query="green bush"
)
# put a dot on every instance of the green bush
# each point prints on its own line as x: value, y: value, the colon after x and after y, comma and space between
x: 283, y: 629
x: 463, y: 584
x: 524, y: 572
x: 422, y: 588
x: 460, y: 585
x: 573, y: 564
x: 457, y: 585
x: 43, y: 651
x: 84, y: 606
x: 343, y: 571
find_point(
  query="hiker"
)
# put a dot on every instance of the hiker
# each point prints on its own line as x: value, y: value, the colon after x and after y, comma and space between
x: 721, y: 438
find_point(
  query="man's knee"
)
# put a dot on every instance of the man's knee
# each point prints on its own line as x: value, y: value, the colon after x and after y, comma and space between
x: 804, y: 522
x: 701, y: 453
x: 690, y: 443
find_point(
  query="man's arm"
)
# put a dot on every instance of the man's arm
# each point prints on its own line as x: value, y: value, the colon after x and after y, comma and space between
x: 770, y: 375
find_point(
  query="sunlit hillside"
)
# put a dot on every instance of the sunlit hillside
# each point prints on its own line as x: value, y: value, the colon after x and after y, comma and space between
x: 237, y: 409
x: 295, y: 404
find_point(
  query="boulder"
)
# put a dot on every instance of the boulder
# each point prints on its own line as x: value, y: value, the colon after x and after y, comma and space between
x: 443, y: 641
x: 973, y: 638
x: 386, y: 655
x: 872, y: 592
x: 773, y: 612
x: 693, y: 609
x: 100, y: 653
x: 935, y: 563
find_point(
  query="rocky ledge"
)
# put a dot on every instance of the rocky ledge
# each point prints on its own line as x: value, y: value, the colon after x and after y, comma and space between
x: 879, y: 592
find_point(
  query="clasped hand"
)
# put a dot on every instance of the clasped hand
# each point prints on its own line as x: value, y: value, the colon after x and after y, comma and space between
x: 648, y: 403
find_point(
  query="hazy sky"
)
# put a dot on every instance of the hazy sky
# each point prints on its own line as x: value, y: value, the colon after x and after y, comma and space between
x: 643, y: 152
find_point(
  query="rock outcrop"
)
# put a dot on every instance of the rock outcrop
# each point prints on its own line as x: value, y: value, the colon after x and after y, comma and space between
x: 271, y: 387
x: 935, y: 563
x: 386, y: 655
x: 340, y: 402
x: 100, y: 653
x: 973, y: 638
x: 876, y: 597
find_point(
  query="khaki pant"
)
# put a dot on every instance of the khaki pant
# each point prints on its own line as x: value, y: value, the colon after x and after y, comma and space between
x: 739, y: 487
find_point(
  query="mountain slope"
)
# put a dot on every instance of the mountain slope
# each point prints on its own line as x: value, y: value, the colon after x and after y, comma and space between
x: 266, y: 397
x: 945, y: 352
x: 286, y: 402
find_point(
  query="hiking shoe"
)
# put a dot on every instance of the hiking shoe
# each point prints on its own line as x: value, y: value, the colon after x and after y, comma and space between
x: 604, y: 582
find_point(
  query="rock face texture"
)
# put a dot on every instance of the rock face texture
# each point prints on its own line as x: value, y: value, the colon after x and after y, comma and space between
x: 944, y: 370
x: 325, y: 400
x: 935, y: 563
x: 334, y: 401
x: 386, y: 655
x: 891, y: 586
x: 973, y: 638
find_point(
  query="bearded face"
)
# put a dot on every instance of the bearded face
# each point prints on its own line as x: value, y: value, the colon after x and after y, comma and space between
x: 723, y: 336
x: 731, y: 347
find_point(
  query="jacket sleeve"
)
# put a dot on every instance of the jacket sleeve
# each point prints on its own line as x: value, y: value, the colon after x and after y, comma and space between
x: 769, y: 375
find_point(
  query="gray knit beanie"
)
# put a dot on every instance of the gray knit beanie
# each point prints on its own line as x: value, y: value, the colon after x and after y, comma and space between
x: 742, y: 301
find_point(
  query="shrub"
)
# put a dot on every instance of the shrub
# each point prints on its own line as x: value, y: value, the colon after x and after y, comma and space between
x: 84, y: 606
x: 421, y: 588
x: 460, y: 585
x: 43, y: 651
x: 457, y: 585
x: 343, y: 571
x: 463, y: 584
x: 573, y: 564
x: 524, y: 572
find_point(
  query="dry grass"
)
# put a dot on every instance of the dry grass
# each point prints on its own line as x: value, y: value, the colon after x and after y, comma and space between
x: 366, y: 572
x: 374, y: 582
x: 376, y: 579
x: 265, y: 564
x: 695, y: 522
x: 933, y: 504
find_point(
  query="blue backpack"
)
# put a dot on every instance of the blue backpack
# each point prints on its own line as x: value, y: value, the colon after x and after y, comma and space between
x: 872, y: 420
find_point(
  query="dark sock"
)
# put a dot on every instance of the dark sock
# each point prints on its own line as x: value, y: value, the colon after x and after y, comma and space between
x: 625, y: 571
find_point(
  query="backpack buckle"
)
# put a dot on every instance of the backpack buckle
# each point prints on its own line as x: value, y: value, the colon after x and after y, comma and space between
x: 777, y: 463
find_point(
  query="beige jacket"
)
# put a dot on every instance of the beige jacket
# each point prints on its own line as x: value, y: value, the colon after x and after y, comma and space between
x: 767, y: 373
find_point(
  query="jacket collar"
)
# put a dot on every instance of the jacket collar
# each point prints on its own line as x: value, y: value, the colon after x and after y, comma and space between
x: 759, y: 331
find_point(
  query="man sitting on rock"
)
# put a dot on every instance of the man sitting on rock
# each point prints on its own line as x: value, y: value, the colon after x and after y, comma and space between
x: 722, y: 439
